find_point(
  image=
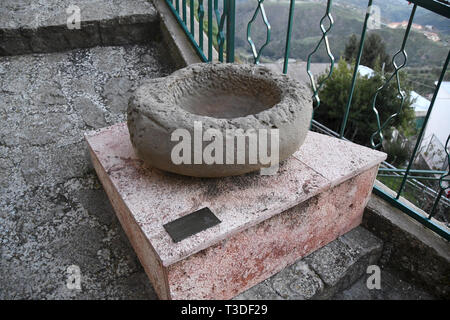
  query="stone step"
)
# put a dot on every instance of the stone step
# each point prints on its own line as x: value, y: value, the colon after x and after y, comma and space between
x: 323, y: 273
x: 28, y: 26
x: 391, y: 288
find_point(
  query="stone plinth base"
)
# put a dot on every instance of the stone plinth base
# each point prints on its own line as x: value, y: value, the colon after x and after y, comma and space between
x: 267, y: 222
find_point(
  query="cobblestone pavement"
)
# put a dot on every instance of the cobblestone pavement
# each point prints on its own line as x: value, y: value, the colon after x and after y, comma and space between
x: 53, y: 211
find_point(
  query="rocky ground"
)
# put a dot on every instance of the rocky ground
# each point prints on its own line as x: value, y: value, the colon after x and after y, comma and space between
x: 53, y: 211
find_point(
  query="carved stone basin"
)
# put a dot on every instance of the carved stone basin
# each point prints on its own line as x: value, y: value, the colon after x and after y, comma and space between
x: 211, y: 119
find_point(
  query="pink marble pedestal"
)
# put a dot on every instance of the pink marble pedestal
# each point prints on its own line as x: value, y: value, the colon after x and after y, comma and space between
x: 267, y: 222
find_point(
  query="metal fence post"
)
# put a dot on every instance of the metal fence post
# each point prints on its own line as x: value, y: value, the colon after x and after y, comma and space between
x: 230, y: 29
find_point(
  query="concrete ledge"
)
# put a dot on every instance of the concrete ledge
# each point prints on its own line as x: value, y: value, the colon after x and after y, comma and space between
x: 419, y: 255
x: 43, y: 28
x: 174, y: 38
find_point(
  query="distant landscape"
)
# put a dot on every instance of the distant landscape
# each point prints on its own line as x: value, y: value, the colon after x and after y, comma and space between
x: 399, y: 10
x: 425, y: 57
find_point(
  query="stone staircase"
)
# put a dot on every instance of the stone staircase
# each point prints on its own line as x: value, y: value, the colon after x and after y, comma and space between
x: 28, y: 26
x: 323, y: 273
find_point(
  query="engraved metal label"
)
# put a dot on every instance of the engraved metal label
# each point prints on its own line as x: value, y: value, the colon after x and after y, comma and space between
x: 191, y: 224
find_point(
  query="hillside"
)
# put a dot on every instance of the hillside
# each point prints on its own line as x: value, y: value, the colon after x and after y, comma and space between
x: 399, y: 10
x: 306, y: 33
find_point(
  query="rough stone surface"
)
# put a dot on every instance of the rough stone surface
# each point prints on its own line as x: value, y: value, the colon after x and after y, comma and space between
x: 28, y: 26
x: 343, y: 262
x: 222, y: 97
x: 414, y: 252
x: 262, y: 291
x: 392, y: 288
x: 53, y: 210
x: 323, y: 273
x: 297, y: 282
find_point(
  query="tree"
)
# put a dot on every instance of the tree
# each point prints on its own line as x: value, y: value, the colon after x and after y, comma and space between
x: 362, y: 120
x: 351, y: 48
x: 374, y: 50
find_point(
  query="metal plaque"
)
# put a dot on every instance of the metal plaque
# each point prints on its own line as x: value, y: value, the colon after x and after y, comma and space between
x: 191, y: 224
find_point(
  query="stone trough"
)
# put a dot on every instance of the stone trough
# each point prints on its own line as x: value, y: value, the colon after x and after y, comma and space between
x: 228, y: 101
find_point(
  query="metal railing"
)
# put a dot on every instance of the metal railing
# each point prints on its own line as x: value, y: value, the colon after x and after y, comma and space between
x: 220, y: 35
x: 219, y: 25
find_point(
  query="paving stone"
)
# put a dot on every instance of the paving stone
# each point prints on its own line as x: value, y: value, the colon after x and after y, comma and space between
x: 297, y: 282
x: 262, y: 291
x: 307, y: 283
x: 54, y: 164
x: 364, y: 243
x: 342, y: 262
x: 91, y: 113
x: 97, y: 203
x: 117, y: 92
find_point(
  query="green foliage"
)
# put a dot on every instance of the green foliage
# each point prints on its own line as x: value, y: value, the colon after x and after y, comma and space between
x: 408, y: 192
x: 362, y: 120
x: 374, y: 51
x: 423, y: 79
x: 397, y: 152
x: 351, y: 48
x: 215, y: 28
